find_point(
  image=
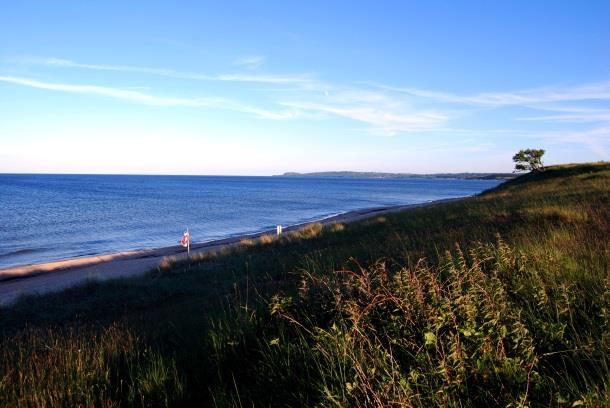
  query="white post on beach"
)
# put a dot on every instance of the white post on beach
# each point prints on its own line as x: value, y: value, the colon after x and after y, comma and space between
x: 278, y: 229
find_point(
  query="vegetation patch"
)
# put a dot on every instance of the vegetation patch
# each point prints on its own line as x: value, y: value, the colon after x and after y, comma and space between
x: 497, y: 300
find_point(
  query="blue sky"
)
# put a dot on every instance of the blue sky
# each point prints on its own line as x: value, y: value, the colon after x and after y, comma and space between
x: 259, y: 88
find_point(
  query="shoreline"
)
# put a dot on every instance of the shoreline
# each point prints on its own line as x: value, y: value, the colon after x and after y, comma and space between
x: 53, y: 276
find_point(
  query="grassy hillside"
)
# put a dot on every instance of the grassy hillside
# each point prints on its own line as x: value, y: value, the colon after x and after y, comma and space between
x: 500, y: 299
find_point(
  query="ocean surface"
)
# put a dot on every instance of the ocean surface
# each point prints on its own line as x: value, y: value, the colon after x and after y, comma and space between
x: 51, y: 217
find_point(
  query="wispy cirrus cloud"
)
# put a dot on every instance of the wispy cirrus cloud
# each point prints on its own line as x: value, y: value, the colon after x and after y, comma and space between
x: 570, y: 114
x: 268, y: 79
x: 382, y: 109
x: 585, y: 106
x: 603, y: 116
x: 251, y: 61
x: 148, y: 99
x: 382, y: 120
x: 385, y: 114
x: 595, y: 91
x: 117, y: 93
x: 597, y: 138
x: 541, y: 95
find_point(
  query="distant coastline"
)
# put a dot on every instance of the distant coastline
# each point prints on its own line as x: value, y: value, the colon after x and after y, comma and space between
x: 379, y: 175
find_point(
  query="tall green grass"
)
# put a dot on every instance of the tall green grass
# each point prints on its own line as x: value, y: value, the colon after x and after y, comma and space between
x: 481, y: 328
x: 54, y: 367
x: 497, y: 300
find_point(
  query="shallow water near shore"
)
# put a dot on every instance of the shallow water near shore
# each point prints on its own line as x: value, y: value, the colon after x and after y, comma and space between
x: 50, y: 217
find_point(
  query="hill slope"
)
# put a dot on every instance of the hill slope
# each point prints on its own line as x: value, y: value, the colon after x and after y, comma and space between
x: 499, y: 299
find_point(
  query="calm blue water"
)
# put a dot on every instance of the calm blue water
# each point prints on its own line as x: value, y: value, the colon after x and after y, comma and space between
x: 50, y: 217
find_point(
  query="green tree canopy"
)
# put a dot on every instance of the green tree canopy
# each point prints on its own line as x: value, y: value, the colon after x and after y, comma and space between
x: 529, y: 160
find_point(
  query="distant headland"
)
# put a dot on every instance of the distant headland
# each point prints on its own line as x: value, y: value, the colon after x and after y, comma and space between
x: 378, y: 175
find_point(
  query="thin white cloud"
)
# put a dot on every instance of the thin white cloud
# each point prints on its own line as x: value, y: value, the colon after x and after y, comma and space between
x: 570, y: 114
x: 596, y: 91
x: 597, y: 139
x: 270, y: 79
x: 382, y: 109
x: 588, y: 106
x: 131, y: 95
x: 384, y: 114
x: 148, y: 99
x: 251, y: 61
x: 601, y: 116
x: 295, y: 79
x: 381, y: 120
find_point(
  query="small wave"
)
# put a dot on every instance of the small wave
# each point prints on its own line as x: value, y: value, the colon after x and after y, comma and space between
x: 22, y: 252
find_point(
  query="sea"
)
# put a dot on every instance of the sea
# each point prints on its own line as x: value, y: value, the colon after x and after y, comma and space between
x: 52, y: 217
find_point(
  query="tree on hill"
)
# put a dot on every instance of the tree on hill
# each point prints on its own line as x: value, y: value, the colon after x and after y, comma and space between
x: 529, y: 160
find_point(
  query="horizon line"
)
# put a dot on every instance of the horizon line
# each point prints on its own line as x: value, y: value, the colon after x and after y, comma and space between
x: 251, y: 175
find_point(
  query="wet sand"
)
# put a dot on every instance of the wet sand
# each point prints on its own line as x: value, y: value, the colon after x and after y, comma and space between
x: 57, y: 275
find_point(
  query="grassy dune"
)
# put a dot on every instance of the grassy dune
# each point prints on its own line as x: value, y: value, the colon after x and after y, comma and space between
x: 497, y: 300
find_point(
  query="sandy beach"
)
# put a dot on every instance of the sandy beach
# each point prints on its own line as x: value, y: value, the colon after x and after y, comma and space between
x: 58, y: 275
